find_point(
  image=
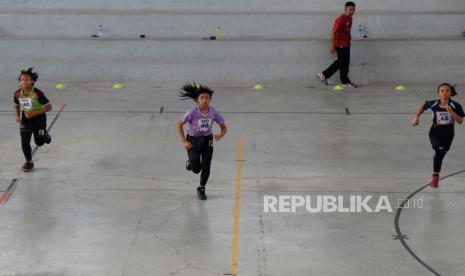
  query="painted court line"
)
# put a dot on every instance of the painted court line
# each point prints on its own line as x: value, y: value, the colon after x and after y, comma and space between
x: 7, y: 193
x: 237, y: 206
x: 402, y: 238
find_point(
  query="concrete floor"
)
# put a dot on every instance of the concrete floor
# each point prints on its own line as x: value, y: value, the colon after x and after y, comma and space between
x: 110, y: 195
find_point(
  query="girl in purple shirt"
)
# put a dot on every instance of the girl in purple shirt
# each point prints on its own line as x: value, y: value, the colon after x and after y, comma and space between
x: 199, y: 139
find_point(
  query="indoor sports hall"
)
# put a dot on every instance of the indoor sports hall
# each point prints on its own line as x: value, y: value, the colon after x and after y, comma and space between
x: 309, y: 179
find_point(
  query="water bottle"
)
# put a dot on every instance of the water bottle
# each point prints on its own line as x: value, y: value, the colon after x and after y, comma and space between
x: 100, y: 30
x: 360, y: 31
x: 463, y: 32
x: 218, y: 33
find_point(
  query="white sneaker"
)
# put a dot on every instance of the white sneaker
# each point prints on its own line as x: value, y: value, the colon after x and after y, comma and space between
x: 323, y: 78
x: 349, y: 85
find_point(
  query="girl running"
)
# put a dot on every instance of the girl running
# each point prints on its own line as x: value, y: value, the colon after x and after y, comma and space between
x: 445, y: 113
x: 199, y: 139
x: 32, y: 104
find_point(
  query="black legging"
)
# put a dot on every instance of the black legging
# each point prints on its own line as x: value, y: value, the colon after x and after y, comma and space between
x: 40, y: 137
x: 200, y: 156
x: 441, y: 140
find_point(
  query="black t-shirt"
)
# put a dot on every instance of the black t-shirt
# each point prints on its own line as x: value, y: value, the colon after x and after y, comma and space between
x: 32, y: 101
x: 441, y: 118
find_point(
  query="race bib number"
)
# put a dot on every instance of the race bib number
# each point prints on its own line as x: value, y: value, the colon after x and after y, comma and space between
x: 26, y: 103
x: 443, y: 118
x: 204, y: 124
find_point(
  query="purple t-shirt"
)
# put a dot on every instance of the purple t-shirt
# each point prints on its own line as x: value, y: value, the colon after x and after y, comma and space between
x: 201, y: 124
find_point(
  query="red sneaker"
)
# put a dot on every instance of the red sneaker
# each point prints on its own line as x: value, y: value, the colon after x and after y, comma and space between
x: 434, y: 181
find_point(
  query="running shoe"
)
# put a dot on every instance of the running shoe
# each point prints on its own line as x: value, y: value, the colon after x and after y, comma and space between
x: 434, y: 181
x: 28, y: 166
x: 323, y: 78
x: 350, y: 85
x: 201, y: 193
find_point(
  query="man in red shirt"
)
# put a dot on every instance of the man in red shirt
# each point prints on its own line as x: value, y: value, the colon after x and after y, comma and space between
x: 340, y: 44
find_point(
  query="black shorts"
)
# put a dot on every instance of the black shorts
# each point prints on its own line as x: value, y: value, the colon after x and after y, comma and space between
x: 33, y: 124
x: 200, y: 142
x: 441, y: 138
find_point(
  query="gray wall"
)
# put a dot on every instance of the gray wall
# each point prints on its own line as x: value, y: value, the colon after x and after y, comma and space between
x: 264, y: 40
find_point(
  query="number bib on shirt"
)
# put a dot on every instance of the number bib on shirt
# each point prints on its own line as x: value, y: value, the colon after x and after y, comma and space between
x: 26, y: 103
x: 204, y: 125
x: 443, y: 118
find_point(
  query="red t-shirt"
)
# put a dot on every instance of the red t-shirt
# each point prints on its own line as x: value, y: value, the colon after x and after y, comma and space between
x: 341, y: 30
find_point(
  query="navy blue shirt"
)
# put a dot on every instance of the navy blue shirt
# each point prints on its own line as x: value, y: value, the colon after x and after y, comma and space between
x: 442, y: 118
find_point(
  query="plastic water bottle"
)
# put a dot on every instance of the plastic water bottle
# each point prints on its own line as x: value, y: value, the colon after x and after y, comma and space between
x: 463, y: 32
x: 218, y: 33
x: 100, y: 30
x: 360, y: 31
